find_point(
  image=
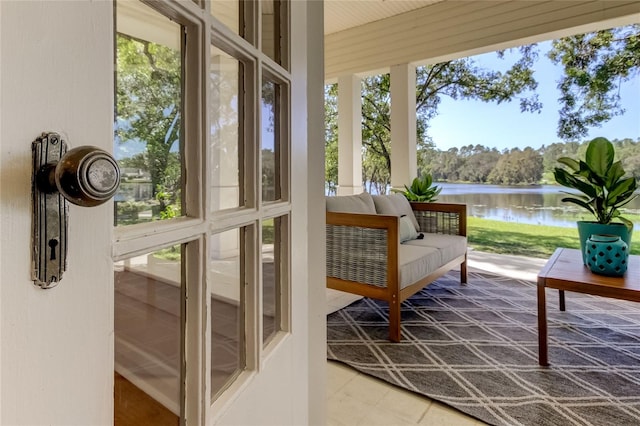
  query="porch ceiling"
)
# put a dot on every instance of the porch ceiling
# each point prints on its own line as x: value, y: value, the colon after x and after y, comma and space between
x: 340, y: 15
x: 363, y: 37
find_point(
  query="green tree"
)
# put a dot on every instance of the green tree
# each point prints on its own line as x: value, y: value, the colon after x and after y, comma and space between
x: 268, y: 174
x: 375, y: 174
x: 595, y: 64
x: 517, y: 167
x: 426, y: 155
x: 479, y: 163
x: 446, y: 165
x: 137, y: 161
x: 331, y: 137
x: 551, y: 153
x: 148, y: 93
x: 376, y: 127
x: 459, y: 79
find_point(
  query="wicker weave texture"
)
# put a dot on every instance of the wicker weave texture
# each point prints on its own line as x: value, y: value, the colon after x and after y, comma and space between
x: 357, y: 254
x: 436, y: 222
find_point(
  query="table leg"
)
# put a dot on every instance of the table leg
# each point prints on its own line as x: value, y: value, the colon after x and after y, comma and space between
x: 561, y: 297
x: 542, y: 327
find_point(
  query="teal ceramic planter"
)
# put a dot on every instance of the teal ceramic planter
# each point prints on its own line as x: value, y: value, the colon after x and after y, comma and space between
x: 586, y: 229
x: 606, y: 255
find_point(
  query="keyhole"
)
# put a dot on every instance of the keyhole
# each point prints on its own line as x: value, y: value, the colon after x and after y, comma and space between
x: 53, y: 243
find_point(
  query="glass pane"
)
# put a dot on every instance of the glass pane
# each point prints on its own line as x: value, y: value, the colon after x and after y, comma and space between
x: 148, y: 115
x: 229, y: 12
x: 270, y: 139
x: 227, y: 309
x: 147, y: 325
x: 271, y: 26
x: 271, y: 278
x: 226, y: 121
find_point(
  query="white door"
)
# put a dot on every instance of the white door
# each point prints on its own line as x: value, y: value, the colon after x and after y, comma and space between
x: 60, y: 347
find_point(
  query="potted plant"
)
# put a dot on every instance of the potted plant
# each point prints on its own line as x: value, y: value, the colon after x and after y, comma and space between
x: 604, y: 190
x: 421, y: 189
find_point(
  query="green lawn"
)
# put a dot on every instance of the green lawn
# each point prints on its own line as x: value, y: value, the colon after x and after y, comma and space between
x: 522, y: 239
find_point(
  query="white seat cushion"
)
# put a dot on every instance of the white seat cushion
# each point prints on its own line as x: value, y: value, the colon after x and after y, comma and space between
x: 450, y: 246
x: 416, y: 262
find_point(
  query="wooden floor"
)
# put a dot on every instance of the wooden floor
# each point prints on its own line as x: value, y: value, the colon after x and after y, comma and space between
x: 132, y: 407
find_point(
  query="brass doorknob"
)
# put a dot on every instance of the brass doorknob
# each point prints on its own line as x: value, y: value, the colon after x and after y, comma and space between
x: 86, y: 176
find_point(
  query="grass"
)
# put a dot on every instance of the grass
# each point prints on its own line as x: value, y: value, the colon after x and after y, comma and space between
x: 486, y: 235
x: 522, y: 239
x: 170, y: 253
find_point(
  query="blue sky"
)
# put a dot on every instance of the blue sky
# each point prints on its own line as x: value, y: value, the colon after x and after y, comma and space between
x: 464, y: 122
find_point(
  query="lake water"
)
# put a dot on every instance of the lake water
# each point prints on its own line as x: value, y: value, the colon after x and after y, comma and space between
x: 538, y: 205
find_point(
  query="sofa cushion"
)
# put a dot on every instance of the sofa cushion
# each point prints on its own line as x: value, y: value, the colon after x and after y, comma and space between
x: 395, y: 205
x: 403, y: 207
x: 384, y: 205
x: 361, y: 203
x: 415, y: 263
x: 407, y: 231
x: 449, y: 246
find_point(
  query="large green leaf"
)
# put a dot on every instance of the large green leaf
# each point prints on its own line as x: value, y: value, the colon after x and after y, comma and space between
x: 580, y: 203
x: 599, y: 156
x: 570, y: 162
x: 622, y: 190
x: 614, y: 174
x: 567, y: 179
x: 590, y: 175
x: 625, y: 199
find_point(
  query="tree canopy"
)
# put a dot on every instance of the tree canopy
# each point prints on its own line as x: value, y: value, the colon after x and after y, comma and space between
x: 480, y: 164
x: 595, y: 64
x: 148, y: 105
x: 458, y: 79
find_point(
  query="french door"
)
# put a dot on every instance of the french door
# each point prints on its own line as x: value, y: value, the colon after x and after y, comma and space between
x: 203, y: 216
x: 186, y: 289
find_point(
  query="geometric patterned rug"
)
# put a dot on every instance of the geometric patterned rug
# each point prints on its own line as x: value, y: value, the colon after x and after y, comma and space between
x: 474, y: 347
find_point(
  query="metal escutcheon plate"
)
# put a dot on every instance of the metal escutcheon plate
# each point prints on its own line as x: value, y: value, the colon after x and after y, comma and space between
x: 50, y: 214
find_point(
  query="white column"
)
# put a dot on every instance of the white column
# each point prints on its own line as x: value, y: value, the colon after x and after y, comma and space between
x: 349, y: 135
x: 404, y: 163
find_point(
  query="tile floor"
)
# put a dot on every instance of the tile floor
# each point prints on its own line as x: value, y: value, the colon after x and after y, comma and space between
x: 356, y: 399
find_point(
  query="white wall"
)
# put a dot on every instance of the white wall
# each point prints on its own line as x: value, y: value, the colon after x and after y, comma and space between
x: 56, y: 74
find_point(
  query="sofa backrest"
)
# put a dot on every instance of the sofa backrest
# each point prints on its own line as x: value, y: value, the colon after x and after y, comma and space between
x: 361, y: 203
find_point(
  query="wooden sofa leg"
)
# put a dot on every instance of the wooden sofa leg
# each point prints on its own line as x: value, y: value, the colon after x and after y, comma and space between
x: 394, y: 320
x: 463, y: 271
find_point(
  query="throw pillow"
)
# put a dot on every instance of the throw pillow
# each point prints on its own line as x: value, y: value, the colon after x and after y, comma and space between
x: 407, y: 230
x: 384, y: 205
x: 404, y: 208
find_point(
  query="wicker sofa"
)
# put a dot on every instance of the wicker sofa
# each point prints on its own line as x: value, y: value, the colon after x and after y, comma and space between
x: 374, y: 248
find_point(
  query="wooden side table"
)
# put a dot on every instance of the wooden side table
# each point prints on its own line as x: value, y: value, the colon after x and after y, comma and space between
x: 565, y: 270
